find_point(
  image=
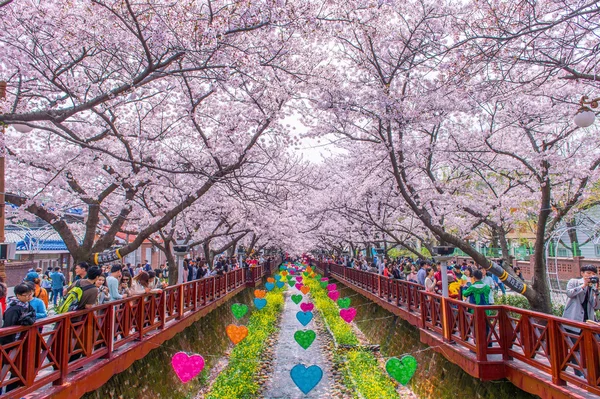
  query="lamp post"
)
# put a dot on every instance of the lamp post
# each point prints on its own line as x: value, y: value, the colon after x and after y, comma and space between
x: 585, y: 116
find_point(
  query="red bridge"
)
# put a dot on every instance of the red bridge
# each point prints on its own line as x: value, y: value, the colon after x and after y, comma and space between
x: 535, y: 351
x: 108, y: 338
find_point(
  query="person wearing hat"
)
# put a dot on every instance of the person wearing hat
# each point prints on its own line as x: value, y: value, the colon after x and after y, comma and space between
x: 39, y: 292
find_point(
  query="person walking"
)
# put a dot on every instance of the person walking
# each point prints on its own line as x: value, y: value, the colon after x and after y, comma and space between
x: 58, y: 284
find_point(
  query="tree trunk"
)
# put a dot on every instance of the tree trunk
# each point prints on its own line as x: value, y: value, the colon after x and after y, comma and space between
x: 173, y: 267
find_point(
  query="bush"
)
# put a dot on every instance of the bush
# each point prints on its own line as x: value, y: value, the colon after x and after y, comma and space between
x: 238, y: 379
x: 519, y: 301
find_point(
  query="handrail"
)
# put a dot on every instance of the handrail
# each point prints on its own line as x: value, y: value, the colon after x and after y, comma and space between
x: 47, y: 351
x: 495, y: 333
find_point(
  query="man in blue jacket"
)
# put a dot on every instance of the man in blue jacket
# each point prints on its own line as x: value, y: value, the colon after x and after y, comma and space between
x: 58, y: 282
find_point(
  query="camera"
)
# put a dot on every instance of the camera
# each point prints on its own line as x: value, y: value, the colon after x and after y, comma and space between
x: 594, y: 280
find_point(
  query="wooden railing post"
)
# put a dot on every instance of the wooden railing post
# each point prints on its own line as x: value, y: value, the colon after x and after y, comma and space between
x: 181, y: 301
x: 556, y: 353
x: 63, y: 351
x: 505, y: 330
x: 423, y: 301
x: 480, y: 333
x: 28, y: 369
x: 591, y: 356
x: 109, y: 331
x: 163, y: 310
x: 140, y: 318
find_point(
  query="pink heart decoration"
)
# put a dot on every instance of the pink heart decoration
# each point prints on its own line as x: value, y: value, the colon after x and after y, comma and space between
x: 299, y: 279
x: 307, y: 307
x: 331, y: 287
x: 324, y: 279
x: 348, y: 314
x: 187, y: 367
x: 333, y: 295
x: 298, y: 286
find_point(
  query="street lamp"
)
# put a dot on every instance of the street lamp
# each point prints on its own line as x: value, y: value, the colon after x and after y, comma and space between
x: 585, y: 116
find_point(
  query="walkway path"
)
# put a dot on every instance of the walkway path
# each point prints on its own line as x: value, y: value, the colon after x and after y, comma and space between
x: 288, y: 353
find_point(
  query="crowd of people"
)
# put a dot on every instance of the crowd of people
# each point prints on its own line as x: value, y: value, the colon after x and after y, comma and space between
x: 461, y: 276
x: 196, y: 269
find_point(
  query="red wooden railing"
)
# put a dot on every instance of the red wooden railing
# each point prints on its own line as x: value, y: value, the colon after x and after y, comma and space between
x: 46, y: 352
x: 492, y: 335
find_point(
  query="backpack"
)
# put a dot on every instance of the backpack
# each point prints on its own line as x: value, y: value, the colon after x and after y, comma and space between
x: 71, y: 301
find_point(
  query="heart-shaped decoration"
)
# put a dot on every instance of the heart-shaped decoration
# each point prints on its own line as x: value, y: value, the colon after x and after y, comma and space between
x: 280, y: 284
x: 343, y: 303
x: 333, y: 295
x: 236, y: 333
x: 331, y: 287
x: 307, y: 307
x: 306, y: 378
x: 299, y: 286
x: 325, y: 279
x: 239, y: 310
x: 292, y: 271
x: 283, y: 267
x: 296, y: 298
x: 270, y: 279
x: 187, y: 367
x: 318, y: 276
x: 284, y: 273
x: 305, y: 289
x: 260, y: 303
x: 403, y: 369
x: 305, y: 274
x: 260, y: 293
x: 304, y: 317
x: 305, y: 338
x: 277, y: 277
x: 323, y: 284
x: 311, y: 275
x: 299, y: 279
x: 291, y: 278
x: 348, y: 314
x: 269, y: 286
x: 291, y: 283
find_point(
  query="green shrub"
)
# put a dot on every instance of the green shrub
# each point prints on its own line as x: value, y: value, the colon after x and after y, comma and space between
x: 519, y: 301
x: 238, y: 380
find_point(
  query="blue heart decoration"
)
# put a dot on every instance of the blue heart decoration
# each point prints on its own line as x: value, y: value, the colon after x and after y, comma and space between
x: 260, y: 303
x: 278, y: 277
x: 304, y: 317
x: 306, y: 378
x: 280, y: 284
x: 269, y: 286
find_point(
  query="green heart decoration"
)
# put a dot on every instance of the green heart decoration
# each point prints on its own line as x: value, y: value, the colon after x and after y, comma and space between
x: 324, y: 284
x: 305, y: 337
x: 296, y: 298
x: 291, y: 278
x: 343, y: 303
x: 403, y: 369
x: 318, y: 277
x: 239, y: 310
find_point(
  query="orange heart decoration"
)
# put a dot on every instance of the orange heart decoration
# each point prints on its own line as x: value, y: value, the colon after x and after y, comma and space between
x: 236, y: 333
x: 284, y: 273
x: 260, y: 293
x: 309, y: 269
x: 312, y: 275
x: 271, y: 280
x: 305, y: 289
